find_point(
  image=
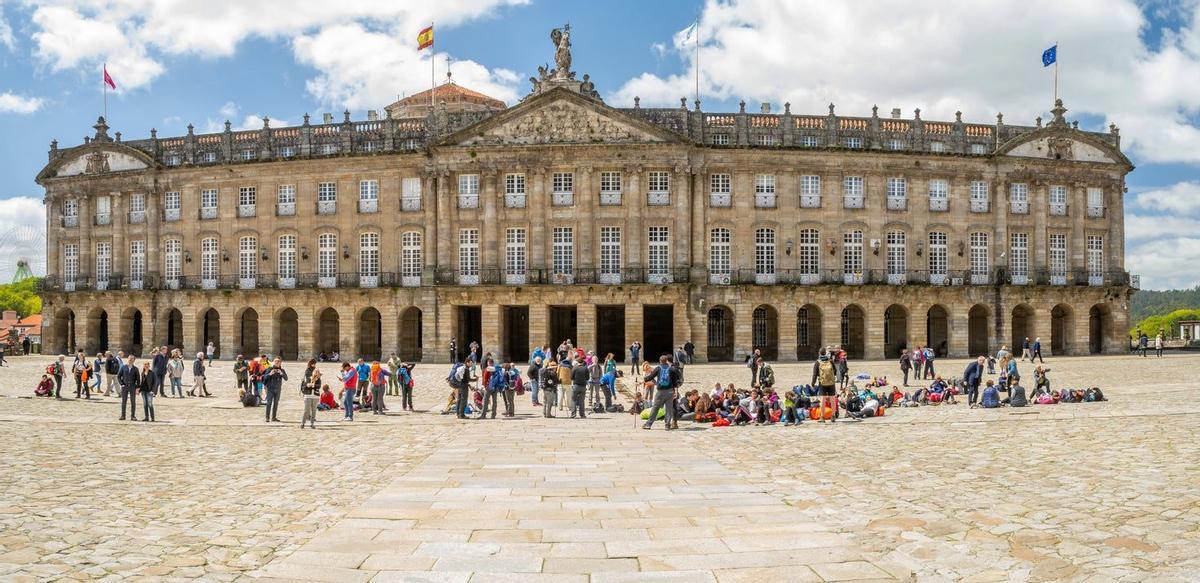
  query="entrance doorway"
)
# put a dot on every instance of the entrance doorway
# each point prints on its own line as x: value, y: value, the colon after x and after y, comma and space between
x: 610, y: 331
x: 329, y: 332
x: 370, y: 332
x: 97, y: 332
x: 248, y: 333
x: 515, y: 333
x: 469, y: 329
x: 411, y: 339
x: 210, y: 327
x: 288, y: 336
x: 1022, y: 327
x: 563, y: 321
x: 854, y: 336
x: 658, y: 331
x: 895, y: 330
x: 937, y: 330
x: 808, y: 332
x: 135, y: 333
x: 977, y: 331
x: 764, y: 332
x: 1099, y: 325
x: 720, y: 334
x: 1061, y: 329
x: 175, y: 329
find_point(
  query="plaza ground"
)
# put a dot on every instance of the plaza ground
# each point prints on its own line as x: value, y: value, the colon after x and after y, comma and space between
x: 1087, y: 492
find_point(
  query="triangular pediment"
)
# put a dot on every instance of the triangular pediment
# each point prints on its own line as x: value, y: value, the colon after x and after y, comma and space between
x: 560, y: 117
x: 96, y: 159
x: 1064, y: 144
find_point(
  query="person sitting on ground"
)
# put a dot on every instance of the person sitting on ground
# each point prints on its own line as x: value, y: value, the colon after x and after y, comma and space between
x: 704, y: 408
x: 685, y: 406
x: 991, y: 396
x: 44, y: 388
x: 1016, y: 395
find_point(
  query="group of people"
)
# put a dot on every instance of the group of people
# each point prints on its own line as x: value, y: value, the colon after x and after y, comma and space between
x: 120, y: 375
x: 1143, y: 344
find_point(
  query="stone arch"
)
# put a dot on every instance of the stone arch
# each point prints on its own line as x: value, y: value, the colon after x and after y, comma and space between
x: 173, y: 330
x: 326, y: 330
x: 764, y: 331
x: 1022, y: 326
x: 895, y: 330
x: 1100, y: 325
x: 412, y: 339
x: 97, y: 331
x: 808, y: 332
x: 64, y: 331
x: 370, y: 334
x: 978, y: 330
x: 133, y: 327
x: 287, y: 334
x: 247, y: 333
x: 1062, y: 329
x: 937, y: 329
x: 208, y: 329
x: 720, y: 334
x: 854, y: 331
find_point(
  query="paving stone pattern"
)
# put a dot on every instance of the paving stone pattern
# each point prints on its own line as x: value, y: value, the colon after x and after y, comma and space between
x: 1080, y: 492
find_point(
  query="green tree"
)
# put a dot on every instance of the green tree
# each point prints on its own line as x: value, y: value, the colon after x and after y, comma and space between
x: 21, y: 297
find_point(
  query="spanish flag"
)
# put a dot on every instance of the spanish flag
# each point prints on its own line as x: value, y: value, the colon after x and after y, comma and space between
x: 425, y: 38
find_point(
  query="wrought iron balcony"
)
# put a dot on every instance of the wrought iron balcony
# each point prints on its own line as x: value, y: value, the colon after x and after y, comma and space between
x: 720, y: 200
x: 103, y: 219
x: 410, y: 203
x: 853, y: 201
x: 659, y: 198
x: 810, y: 201
x: 70, y: 221
x: 208, y: 212
x: 979, y: 205
x: 366, y: 206
x: 137, y: 217
x: 326, y: 207
x: 468, y: 201
x: 563, y: 199
x: 939, y: 204
x: 285, y: 209
x: 247, y: 210
x: 170, y: 215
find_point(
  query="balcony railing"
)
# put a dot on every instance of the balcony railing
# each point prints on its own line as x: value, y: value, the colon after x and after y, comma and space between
x: 897, y: 203
x: 70, y: 221
x: 853, y: 202
x: 1058, y: 209
x: 810, y: 201
x: 515, y: 277
x: 720, y: 200
x: 136, y: 284
x: 658, y: 198
x: 468, y: 201
x: 939, y: 204
x: 208, y: 212
x: 286, y: 282
x: 764, y: 201
x: 899, y: 278
x: 610, y: 197
x: 327, y: 281
x: 208, y: 283
x: 410, y: 203
x: 410, y: 281
x: 285, y: 209
x: 247, y: 210
x: 1019, y: 279
x: 514, y: 201
x: 979, y: 206
x: 171, y: 215
x: 980, y: 279
x: 563, y: 199
x: 368, y: 206
x: 103, y: 219
x: 1019, y: 207
x: 137, y: 217
x: 1095, y: 212
x: 248, y: 282
x: 326, y: 207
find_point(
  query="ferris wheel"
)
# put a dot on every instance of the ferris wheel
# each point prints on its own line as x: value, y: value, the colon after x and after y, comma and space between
x: 22, y: 253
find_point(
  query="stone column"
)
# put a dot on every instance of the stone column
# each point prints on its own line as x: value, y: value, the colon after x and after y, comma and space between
x: 787, y: 330
x: 1077, y: 254
x: 633, y: 325
x: 918, y: 326
x: 539, y: 321
x: 873, y: 348
x: 635, y: 200
x: 1042, y: 328
x: 1040, y: 208
x: 154, y: 261
x: 490, y: 329
x: 227, y: 338
x: 586, y: 199
x: 831, y: 325
x: 389, y: 335
x: 699, y: 234
x: 999, y: 244
x: 489, y: 255
x: 53, y: 229
x: 539, y: 238
x: 959, y: 330
x: 306, y: 343
x: 87, y: 247
x: 585, y: 320
x: 438, y: 250
x: 682, y: 232
x: 1114, y: 252
x: 743, y: 330
x: 435, y: 328
x: 700, y: 334
x: 120, y: 249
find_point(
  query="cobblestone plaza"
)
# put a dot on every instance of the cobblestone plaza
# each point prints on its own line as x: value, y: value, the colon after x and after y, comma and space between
x: 1069, y: 492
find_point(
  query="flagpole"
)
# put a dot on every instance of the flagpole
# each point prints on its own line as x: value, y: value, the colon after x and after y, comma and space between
x: 104, y: 85
x: 697, y: 60
x: 1055, y: 71
x: 432, y: 61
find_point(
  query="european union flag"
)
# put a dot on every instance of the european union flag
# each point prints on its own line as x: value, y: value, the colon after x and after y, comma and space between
x: 1049, y: 56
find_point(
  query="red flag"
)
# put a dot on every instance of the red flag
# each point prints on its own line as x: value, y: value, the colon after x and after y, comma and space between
x: 109, y: 80
x: 425, y: 38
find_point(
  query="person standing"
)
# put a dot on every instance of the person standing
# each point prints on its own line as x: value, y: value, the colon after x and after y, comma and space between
x: 310, y: 389
x: 930, y: 355
x: 159, y: 367
x: 1037, y: 350
x: 595, y: 371
x: 1158, y: 345
x: 406, y: 386
x: 1143, y: 343
x: 198, y: 387
x: 564, y: 381
x: 97, y: 375
x: 918, y: 361
x: 534, y: 374
x: 841, y: 365
x: 349, y: 380
x: 379, y: 382
x: 579, y: 382
x: 825, y: 377
x: 512, y: 376
x: 453, y: 350
x: 1026, y: 350
x: 690, y: 350
x: 665, y: 378
x: 112, y: 365
x: 147, y: 386
x: 57, y: 372
x: 972, y: 376
x: 393, y: 386
x: 549, y: 383
x: 493, y: 384
x: 79, y: 371
x: 905, y: 365
x: 461, y: 380
x: 130, y: 384
x: 175, y: 372
x: 241, y: 373
x: 272, y: 380
x: 363, y: 370
x: 210, y: 351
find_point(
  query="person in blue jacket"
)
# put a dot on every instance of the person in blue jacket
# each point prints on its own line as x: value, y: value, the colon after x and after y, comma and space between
x: 972, y: 377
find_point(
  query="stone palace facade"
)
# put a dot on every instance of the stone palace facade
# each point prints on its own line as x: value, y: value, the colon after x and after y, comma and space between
x: 563, y: 217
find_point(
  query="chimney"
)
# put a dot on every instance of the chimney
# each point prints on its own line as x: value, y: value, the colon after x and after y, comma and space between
x: 765, y: 107
x: 328, y: 117
x: 895, y: 113
x: 372, y: 115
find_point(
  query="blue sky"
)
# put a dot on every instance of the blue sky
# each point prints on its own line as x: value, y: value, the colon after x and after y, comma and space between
x: 178, y: 62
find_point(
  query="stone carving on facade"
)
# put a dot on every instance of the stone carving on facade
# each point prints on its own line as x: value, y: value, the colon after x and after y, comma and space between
x: 97, y: 163
x: 562, y: 75
x: 1059, y: 149
x: 562, y: 122
x: 561, y: 37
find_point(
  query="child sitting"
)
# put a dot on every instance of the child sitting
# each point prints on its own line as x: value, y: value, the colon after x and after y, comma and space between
x: 44, y: 388
x: 328, y: 403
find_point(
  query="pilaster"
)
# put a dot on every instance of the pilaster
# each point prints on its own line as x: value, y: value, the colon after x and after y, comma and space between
x: 635, y: 200
x: 585, y: 326
x: 489, y: 255
x: 490, y: 329
x: 539, y: 239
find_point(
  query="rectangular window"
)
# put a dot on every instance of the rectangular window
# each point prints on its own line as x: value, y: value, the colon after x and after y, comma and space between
x: 515, y: 257
x: 764, y: 256
x: 1095, y: 202
x: 247, y: 262
x: 610, y: 254
x: 209, y: 266
x: 937, y: 147
x: 852, y: 257
x: 979, y: 149
x: 327, y: 260
x: 765, y: 140
x: 853, y: 192
x: 137, y: 202
x: 468, y: 191
x: 70, y: 208
x: 979, y: 196
x: 172, y: 262
x: 247, y: 154
x: 938, y: 258
x: 854, y: 143
x: 368, y: 260
x: 980, y: 260
x: 1095, y: 259
x: 894, y: 144
x: 809, y: 141
x: 468, y: 256
x: 1058, y: 259
x: 810, y: 256
x: 286, y: 256
x: 137, y: 264
x: 326, y: 198
x: 897, y: 194
x: 897, y: 257
x: 764, y: 191
x: 285, y: 200
x: 659, y: 254
x: 1018, y: 198
x: 411, y: 259
x: 514, y: 191
x: 1058, y: 200
x: 410, y: 194
x: 939, y: 195
x: 103, y: 210
x: 563, y: 186
x: 720, y: 190
x: 208, y: 157
x: 563, y: 254
x: 610, y: 188
x: 659, y: 192
x: 1018, y: 261
x: 810, y: 191
x: 718, y: 256
x: 247, y: 201
x: 719, y: 139
x: 103, y: 264
x: 172, y: 206
x: 368, y: 196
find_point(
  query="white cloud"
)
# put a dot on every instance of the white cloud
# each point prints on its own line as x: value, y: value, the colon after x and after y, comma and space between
x: 978, y: 57
x: 11, y: 103
x: 1166, y: 263
x: 364, y: 51
x: 1180, y: 198
x: 22, y: 237
x: 6, y: 34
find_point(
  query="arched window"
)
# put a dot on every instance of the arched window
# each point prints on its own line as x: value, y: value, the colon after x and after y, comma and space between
x: 810, y: 256
x: 411, y: 259
x: 764, y: 256
x: 327, y: 260
x: 209, y: 268
x: 368, y: 260
x: 718, y: 255
x: 286, y: 255
x: 247, y: 261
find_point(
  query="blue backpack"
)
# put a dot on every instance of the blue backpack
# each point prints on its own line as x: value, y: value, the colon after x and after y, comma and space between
x: 991, y: 398
x: 664, y: 377
x: 452, y: 378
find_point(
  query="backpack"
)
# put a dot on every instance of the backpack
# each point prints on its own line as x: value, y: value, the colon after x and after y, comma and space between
x: 249, y: 399
x: 1045, y: 399
x: 1094, y: 394
x: 452, y: 378
x: 664, y: 377
x: 52, y: 369
x: 1016, y: 397
x: 825, y: 376
x: 991, y: 398
x: 768, y: 377
x: 597, y: 407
